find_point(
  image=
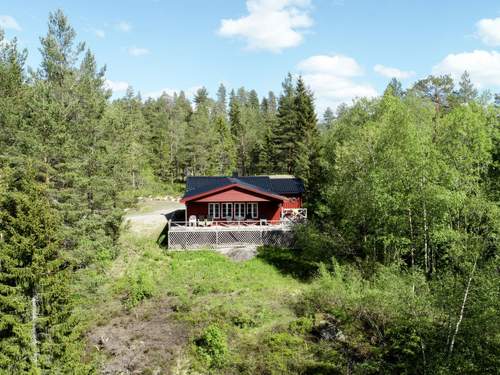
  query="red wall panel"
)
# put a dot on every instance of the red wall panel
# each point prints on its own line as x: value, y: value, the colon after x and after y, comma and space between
x: 267, y: 210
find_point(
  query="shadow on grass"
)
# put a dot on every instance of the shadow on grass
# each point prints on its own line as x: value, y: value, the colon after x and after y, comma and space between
x: 289, y: 262
x: 177, y: 215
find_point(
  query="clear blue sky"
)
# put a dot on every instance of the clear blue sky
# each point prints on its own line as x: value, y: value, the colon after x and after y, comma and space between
x: 344, y: 48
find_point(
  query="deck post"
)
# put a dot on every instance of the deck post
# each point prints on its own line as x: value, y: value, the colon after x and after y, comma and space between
x: 261, y: 238
x: 169, y: 225
x: 216, y: 237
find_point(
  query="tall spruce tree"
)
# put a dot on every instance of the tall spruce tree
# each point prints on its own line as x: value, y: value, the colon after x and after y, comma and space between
x: 305, y: 132
x: 200, y: 135
x: 466, y: 90
x: 265, y: 160
x: 36, y: 332
x: 221, y: 103
x: 328, y: 119
x: 283, y: 137
x: 223, y: 150
x: 237, y: 129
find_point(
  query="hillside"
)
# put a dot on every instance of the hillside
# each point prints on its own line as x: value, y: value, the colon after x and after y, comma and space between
x: 153, y: 306
x: 197, y: 312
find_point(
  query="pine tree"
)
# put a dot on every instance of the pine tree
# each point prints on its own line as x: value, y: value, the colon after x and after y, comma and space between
x: 59, y: 52
x: 466, y: 92
x: 201, y: 96
x: 438, y: 90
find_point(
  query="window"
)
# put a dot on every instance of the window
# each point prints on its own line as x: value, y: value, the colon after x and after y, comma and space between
x: 252, y: 210
x: 239, y: 210
x: 227, y: 210
x: 213, y: 210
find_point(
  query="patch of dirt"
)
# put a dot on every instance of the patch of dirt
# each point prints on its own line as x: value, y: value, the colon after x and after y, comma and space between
x: 146, y: 340
x: 239, y: 253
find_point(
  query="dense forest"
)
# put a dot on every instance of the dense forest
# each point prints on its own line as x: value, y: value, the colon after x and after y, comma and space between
x: 401, y: 253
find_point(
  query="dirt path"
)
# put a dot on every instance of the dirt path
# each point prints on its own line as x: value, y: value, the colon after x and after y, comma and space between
x: 148, y: 219
x: 146, y: 341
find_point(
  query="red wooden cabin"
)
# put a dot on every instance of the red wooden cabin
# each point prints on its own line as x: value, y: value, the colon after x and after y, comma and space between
x: 242, y: 199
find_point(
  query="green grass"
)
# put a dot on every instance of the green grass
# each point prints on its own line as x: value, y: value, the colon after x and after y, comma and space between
x: 248, y: 302
x: 262, y: 316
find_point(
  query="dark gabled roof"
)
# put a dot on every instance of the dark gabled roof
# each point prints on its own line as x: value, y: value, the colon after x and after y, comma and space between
x: 287, y: 185
x: 196, y: 185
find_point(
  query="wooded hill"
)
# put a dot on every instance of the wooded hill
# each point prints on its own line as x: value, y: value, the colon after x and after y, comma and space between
x: 402, y: 250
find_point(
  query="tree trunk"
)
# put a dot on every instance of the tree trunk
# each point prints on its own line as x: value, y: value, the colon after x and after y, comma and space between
x: 426, y: 243
x: 466, y: 294
x: 34, y: 339
x: 424, y: 361
x: 412, y: 246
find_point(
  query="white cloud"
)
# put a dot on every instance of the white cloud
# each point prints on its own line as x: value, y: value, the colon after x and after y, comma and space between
x: 483, y: 67
x: 271, y: 25
x: 170, y: 91
x: 488, y: 30
x: 137, y: 51
x: 389, y: 72
x: 8, y: 22
x: 339, y: 65
x: 124, y: 26
x: 331, y: 78
x: 116, y: 86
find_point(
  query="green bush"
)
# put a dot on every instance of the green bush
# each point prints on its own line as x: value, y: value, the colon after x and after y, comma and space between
x: 301, y: 326
x: 212, y: 347
x: 139, y: 285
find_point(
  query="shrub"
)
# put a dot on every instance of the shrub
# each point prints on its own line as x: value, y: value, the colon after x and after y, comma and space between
x: 212, y: 346
x: 301, y: 326
x: 139, y: 286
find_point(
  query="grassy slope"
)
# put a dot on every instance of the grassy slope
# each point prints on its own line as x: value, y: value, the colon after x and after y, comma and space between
x: 153, y: 311
x: 246, y: 301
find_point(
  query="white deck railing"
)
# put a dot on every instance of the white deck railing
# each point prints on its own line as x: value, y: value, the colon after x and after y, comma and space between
x: 207, y: 225
x: 207, y: 234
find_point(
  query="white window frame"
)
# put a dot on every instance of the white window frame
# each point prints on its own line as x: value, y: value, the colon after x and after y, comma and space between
x: 241, y: 207
x: 214, y: 210
x: 223, y: 211
x: 253, y: 213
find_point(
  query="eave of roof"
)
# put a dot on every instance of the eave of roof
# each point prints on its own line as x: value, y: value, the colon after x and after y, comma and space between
x: 230, y: 186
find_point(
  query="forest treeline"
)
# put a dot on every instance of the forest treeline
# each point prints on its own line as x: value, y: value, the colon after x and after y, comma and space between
x: 409, y: 180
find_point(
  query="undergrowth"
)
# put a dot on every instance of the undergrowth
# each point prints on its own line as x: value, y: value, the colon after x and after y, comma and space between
x: 254, y: 317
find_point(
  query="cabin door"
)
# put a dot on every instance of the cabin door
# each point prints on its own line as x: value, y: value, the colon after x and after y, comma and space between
x: 239, y: 211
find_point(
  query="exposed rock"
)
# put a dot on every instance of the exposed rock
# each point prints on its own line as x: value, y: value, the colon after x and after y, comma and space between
x: 329, y: 330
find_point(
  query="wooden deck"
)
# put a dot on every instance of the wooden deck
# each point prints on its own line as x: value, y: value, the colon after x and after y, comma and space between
x: 213, y: 234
